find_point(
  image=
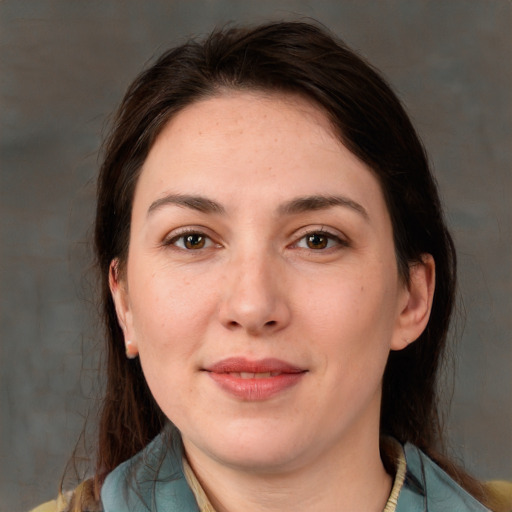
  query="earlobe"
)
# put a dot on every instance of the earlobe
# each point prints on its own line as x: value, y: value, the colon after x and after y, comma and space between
x: 415, y: 311
x: 131, y: 349
x: 123, y: 311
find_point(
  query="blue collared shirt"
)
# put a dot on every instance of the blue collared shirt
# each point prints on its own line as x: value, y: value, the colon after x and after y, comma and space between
x: 154, y: 480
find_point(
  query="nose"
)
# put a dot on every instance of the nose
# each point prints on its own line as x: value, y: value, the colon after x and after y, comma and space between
x: 254, y: 298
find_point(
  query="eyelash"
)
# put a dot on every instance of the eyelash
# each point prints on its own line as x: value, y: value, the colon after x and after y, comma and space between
x: 333, y: 241
x: 172, y: 241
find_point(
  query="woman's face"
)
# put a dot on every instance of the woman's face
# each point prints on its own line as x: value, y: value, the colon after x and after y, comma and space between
x: 261, y: 287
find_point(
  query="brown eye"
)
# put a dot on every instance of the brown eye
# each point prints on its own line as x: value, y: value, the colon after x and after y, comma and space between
x: 191, y: 241
x: 194, y: 241
x: 320, y: 241
x: 317, y: 241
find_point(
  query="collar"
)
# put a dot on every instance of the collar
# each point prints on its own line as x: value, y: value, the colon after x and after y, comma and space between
x: 157, y: 479
x: 427, y: 488
x: 150, y: 479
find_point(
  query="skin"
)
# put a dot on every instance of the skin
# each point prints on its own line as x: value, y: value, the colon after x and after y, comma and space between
x: 254, y: 285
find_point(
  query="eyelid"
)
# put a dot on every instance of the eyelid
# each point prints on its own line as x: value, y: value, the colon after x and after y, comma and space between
x: 171, y: 238
x: 332, y: 234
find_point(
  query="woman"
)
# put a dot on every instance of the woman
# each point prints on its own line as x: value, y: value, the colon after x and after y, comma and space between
x: 277, y: 285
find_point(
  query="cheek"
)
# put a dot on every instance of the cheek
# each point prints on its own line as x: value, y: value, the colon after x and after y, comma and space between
x: 171, y: 315
x: 170, y: 310
x: 350, y: 299
x: 353, y: 318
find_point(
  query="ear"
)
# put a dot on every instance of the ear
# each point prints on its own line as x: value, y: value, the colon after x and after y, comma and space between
x: 417, y: 302
x: 119, y: 291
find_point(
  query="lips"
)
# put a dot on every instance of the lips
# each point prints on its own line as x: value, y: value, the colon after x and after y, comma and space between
x: 254, y: 380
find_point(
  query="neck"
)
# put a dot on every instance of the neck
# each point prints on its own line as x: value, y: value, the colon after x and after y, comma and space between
x: 339, y: 481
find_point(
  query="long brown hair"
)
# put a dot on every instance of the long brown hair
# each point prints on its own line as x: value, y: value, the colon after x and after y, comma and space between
x: 292, y: 57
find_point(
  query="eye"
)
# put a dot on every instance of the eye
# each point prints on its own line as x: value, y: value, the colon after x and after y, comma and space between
x: 191, y: 241
x: 319, y: 240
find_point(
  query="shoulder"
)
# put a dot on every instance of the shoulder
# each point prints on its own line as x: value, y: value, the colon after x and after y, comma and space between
x: 501, y: 492
x: 82, y: 499
x: 428, y: 488
x: 49, y: 506
x: 155, y: 477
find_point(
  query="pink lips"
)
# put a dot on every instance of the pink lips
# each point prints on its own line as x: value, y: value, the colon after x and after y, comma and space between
x: 254, y: 380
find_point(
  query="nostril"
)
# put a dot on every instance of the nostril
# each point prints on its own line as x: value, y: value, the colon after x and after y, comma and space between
x: 270, y: 323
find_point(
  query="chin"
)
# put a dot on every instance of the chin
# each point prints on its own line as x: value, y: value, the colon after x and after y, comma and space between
x: 262, y: 451
x: 263, y: 461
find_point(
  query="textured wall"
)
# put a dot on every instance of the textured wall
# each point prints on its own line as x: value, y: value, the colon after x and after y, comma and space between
x: 64, y: 66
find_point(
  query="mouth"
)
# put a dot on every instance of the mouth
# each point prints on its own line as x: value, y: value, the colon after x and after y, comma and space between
x: 249, y: 381
x: 247, y: 368
x: 251, y: 375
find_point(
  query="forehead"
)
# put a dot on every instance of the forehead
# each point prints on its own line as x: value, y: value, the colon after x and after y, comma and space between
x: 238, y: 114
x: 268, y: 146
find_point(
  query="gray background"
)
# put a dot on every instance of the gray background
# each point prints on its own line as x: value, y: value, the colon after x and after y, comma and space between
x: 63, y: 68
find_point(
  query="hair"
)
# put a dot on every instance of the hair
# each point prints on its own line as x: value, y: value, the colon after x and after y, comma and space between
x: 290, y: 58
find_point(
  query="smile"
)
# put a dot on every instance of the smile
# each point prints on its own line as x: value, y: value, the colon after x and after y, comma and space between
x: 254, y: 380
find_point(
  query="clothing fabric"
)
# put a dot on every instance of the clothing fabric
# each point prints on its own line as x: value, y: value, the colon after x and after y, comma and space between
x: 162, y: 484
x: 159, y: 478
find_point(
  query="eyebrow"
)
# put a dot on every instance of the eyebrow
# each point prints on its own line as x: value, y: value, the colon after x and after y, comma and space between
x: 292, y: 207
x: 320, y: 202
x: 199, y: 203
